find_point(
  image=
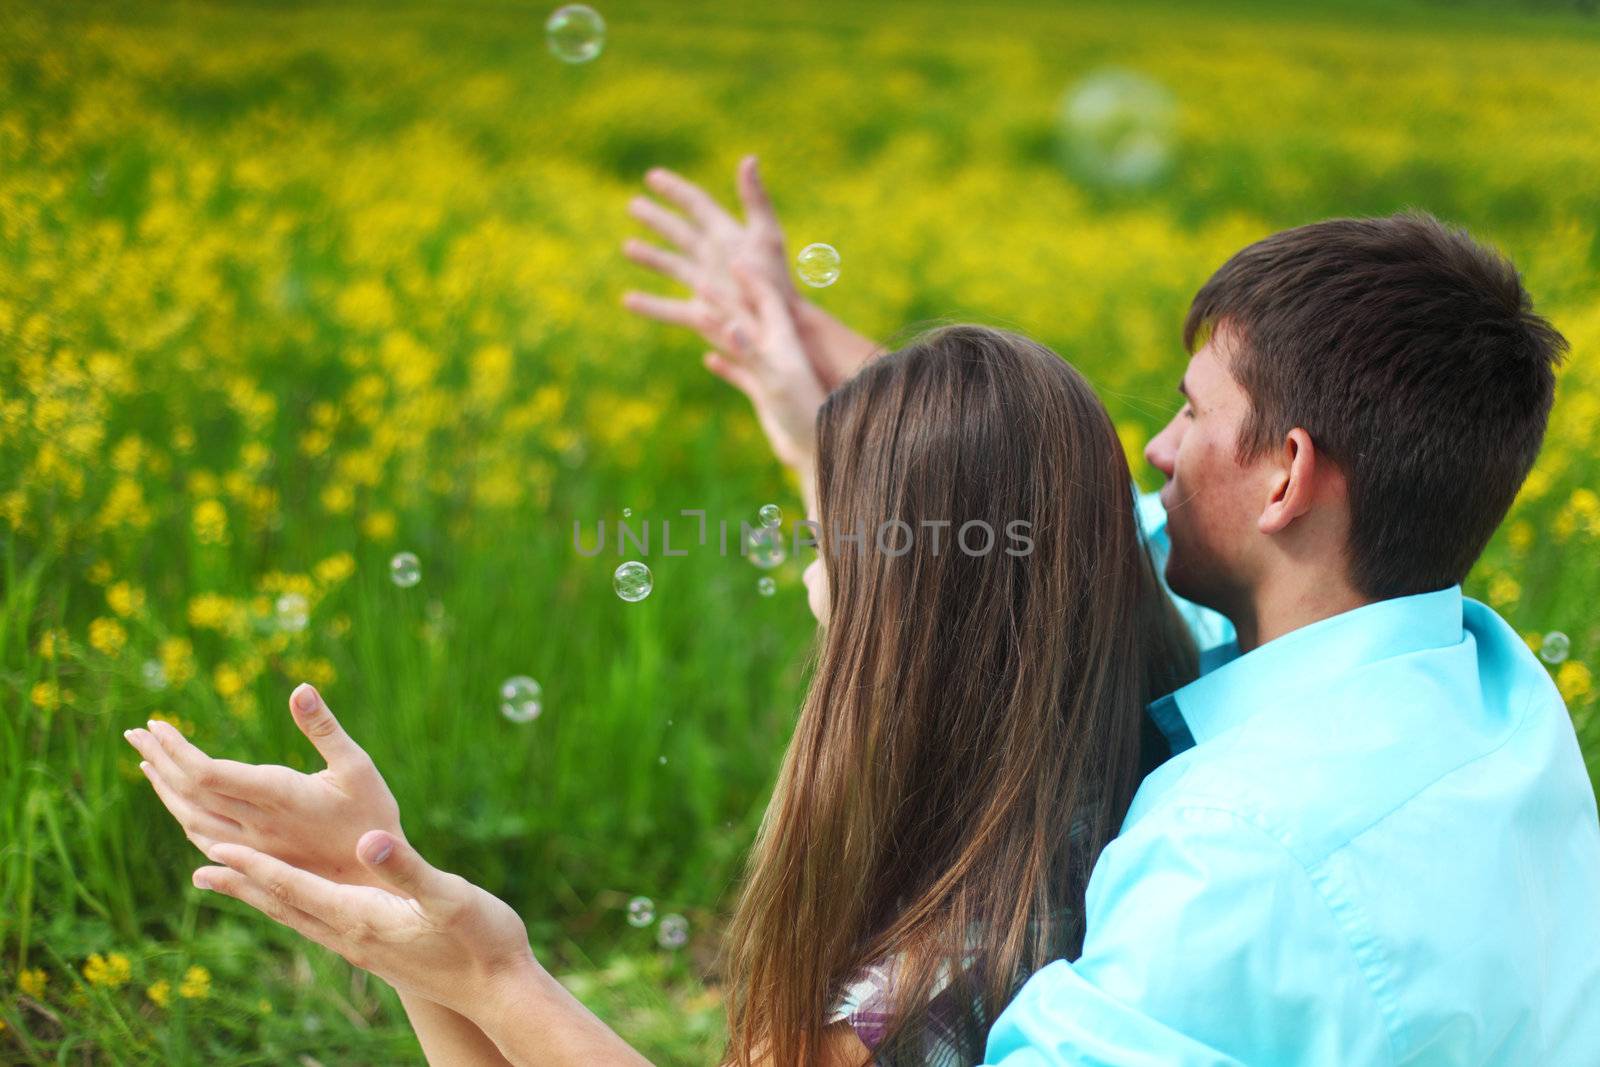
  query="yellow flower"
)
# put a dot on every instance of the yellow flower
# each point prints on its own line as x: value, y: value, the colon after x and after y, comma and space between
x: 1504, y: 590
x: 314, y: 443
x: 228, y: 680
x: 32, y: 982
x: 46, y: 696
x: 107, y: 636
x: 196, y: 984
x: 159, y: 993
x: 111, y: 971
x: 242, y: 706
x: 210, y: 522
x: 177, y: 659
x: 337, y: 499
x: 211, y: 611
x: 379, y: 526
x: 52, y: 643
x: 100, y: 572
x: 1574, y: 680
x: 125, y: 598
x: 335, y: 569
x: 1520, y: 536
x: 264, y: 1006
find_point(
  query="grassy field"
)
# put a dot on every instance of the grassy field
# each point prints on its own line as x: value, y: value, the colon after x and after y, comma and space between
x: 287, y: 289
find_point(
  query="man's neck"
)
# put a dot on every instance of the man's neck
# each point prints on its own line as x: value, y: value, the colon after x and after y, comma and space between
x: 1283, y: 606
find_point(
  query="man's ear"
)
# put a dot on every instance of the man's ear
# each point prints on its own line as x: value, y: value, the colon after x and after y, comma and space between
x: 1293, y: 485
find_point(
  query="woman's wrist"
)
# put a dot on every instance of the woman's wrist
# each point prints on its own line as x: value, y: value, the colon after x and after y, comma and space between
x: 534, y: 1020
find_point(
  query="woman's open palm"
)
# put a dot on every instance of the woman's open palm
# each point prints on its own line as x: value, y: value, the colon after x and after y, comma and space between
x: 310, y: 821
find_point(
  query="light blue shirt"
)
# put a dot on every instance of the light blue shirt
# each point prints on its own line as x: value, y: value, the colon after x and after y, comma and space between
x: 1381, y: 847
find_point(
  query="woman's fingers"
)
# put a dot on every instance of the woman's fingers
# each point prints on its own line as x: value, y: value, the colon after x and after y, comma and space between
x: 688, y: 196
x: 202, y: 827
x: 758, y: 210
x: 661, y: 261
x: 316, y: 721
x: 224, y: 785
x: 288, y: 885
x: 670, y: 225
x: 232, y: 883
x: 698, y: 315
x: 198, y: 776
x: 776, y: 321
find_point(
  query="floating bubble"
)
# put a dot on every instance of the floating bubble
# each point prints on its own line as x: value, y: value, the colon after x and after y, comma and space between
x: 575, y: 33
x: 632, y: 581
x: 818, y: 265
x: 641, y: 911
x: 521, y: 698
x: 771, y: 515
x: 765, y: 547
x: 405, y: 569
x: 153, y: 674
x: 661, y: 760
x: 1555, y: 647
x: 1118, y: 127
x: 627, y: 513
x: 766, y: 586
x: 673, y: 931
x: 293, y: 612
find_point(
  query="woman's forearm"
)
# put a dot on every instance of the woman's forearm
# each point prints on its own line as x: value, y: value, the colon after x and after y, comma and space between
x: 836, y: 351
x: 535, y: 1022
x: 449, y: 1039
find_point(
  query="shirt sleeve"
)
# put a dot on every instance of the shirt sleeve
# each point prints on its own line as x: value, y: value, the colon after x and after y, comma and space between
x: 1209, y: 945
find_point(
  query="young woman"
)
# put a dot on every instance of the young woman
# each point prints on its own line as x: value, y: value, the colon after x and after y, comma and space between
x: 992, y: 628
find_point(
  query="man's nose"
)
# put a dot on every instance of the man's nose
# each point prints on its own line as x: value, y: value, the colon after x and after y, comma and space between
x: 1162, y: 451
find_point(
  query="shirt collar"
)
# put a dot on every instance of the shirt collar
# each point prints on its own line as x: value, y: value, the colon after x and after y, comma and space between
x: 1232, y: 686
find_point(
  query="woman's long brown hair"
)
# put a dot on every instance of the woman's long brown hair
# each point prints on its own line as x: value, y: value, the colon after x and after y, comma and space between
x: 972, y: 735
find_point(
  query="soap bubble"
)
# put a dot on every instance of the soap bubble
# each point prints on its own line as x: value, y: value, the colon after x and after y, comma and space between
x: 771, y: 515
x: 293, y: 612
x: 673, y: 931
x: 661, y: 760
x: 1555, y: 647
x: 766, y: 586
x: 575, y: 33
x: 627, y: 513
x: 521, y: 698
x: 632, y: 581
x: 405, y: 569
x: 818, y: 265
x: 153, y: 674
x: 765, y: 547
x: 1118, y: 127
x: 641, y: 911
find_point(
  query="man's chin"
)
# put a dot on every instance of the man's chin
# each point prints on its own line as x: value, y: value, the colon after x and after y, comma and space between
x: 1180, y: 579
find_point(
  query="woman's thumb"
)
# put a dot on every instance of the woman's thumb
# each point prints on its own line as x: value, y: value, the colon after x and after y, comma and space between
x: 396, y: 863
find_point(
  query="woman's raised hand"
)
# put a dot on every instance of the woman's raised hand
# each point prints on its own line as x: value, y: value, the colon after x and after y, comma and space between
x: 705, y: 241
x: 311, y: 821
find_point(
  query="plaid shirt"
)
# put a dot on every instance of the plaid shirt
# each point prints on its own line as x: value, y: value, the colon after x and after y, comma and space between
x: 865, y: 1005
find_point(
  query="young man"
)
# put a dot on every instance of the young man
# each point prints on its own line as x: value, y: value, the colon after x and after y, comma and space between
x: 1376, y: 842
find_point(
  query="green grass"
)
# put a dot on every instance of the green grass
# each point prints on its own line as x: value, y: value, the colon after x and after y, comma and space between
x: 279, y: 245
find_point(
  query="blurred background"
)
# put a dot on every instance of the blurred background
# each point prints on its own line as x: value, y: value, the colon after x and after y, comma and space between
x: 289, y: 289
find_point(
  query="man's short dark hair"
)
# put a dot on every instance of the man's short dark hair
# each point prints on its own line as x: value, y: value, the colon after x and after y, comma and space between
x: 1412, y: 356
